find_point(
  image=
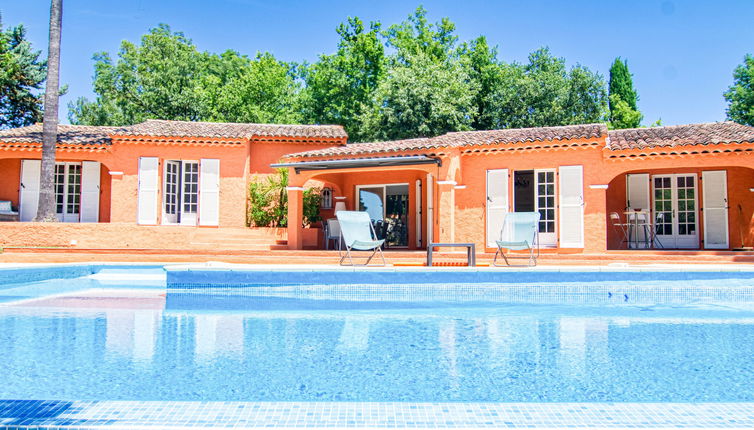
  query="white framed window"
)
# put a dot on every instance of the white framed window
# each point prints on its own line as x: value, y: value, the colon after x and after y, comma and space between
x: 326, y: 198
x: 190, y: 192
x: 545, y: 202
x: 68, y: 191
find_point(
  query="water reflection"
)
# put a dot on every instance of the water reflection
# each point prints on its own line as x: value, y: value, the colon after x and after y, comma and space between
x: 456, y: 354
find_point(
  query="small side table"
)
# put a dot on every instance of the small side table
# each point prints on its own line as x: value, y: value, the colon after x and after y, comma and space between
x: 8, y: 216
x: 470, y: 251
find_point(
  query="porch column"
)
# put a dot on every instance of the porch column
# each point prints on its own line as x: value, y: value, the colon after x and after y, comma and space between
x: 595, y: 218
x: 446, y: 213
x: 295, y: 217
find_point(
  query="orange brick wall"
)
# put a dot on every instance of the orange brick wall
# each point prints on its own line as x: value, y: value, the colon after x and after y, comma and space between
x: 471, y: 216
x: 262, y: 154
x: 469, y: 203
x: 10, y: 171
x: 119, y: 193
x: 129, y: 235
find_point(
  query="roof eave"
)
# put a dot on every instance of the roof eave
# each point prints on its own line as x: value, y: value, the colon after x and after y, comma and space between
x: 359, y: 163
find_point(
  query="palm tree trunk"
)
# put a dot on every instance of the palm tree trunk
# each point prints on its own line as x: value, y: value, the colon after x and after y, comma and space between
x: 47, y: 206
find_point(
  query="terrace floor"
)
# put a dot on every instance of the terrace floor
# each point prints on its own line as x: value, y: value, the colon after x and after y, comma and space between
x: 393, y: 257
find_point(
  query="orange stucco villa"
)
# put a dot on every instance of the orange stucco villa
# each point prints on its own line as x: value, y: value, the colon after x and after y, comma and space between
x: 171, y: 178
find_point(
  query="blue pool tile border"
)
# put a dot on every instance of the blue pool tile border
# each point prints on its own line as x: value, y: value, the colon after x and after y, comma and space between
x: 370, y: 297
x: 27, y: 414
x: 10, y: 275
x: 249, y: 277
x: 17, y: 275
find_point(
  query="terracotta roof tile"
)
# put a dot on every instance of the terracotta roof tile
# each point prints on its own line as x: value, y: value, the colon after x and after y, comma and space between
x: 518, y: 135
x: 680, y: 135
x: 462, y: 139
x: 369, y: 148
x: 154, y: 127
x: 67, y: 134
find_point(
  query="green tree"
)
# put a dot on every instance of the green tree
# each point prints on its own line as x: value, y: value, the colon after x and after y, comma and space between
x: 21, y: 76
x: 483, y: 69
x: 422, y: 98
x: 262, y: 90
x: 622, y: 97
x: 740, y: 95
x: 159, y: 79
x: 415, y: 39
x: 166, y: 77
x: 340, y: 87
x: 426, y: 91
x: 47, y: 209
x: 622, y: 115
x: 544, y: 93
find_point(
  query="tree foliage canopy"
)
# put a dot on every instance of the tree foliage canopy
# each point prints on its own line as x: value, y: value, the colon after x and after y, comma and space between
x: 740, y: 95
x: 22, y: 74
x: 410, y: 79
x: 544, y: 92
x: 623, y: 97
x: 340, y: 87
x: 166, y: 77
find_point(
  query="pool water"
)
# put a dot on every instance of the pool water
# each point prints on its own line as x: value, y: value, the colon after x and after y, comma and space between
x: 107, y: 340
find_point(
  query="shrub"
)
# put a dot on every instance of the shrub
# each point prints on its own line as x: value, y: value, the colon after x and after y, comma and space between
x: 268, y: 202
x: 312, y: 200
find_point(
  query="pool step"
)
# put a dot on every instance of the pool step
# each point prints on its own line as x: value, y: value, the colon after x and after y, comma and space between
x: 134, y: 276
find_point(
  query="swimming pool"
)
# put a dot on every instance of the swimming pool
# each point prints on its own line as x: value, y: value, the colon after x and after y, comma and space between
x: 118, y: 334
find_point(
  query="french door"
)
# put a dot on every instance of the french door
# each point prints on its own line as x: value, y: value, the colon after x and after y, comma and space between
x: 675, y: 210
x: 545, y: 205
x: 387, y: 206
x: 180, y: 200
x: 534, y: 191
x: 68, y: 191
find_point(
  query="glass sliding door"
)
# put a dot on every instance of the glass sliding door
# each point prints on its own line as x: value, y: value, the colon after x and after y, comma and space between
x: 387, y: 206
x: 396, y: 215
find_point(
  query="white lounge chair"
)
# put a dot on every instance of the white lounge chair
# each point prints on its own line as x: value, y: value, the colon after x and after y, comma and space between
x: 520, y: 232
x: 358, y: 234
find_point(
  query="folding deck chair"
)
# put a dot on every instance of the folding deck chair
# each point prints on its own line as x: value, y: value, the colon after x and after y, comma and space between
x: 520, y: 232
x: 358, y: 235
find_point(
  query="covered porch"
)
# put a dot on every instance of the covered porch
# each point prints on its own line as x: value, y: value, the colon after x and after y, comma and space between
x: 397, y: 192
x: 691, y: 207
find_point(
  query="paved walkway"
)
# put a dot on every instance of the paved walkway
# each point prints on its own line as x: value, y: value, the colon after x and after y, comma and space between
x: 407, y: 258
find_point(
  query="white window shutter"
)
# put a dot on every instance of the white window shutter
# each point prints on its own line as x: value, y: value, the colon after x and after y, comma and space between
x: 637, y: 193
x: 715, y: 204
x: 90, y: 178
x: 148, y: 177
x: 497, y: 203
x: 29, y: 195
x: 209, y: 192
x: 571, y: 186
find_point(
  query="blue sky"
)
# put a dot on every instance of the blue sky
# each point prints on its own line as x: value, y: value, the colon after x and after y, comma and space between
x: 682, y: 53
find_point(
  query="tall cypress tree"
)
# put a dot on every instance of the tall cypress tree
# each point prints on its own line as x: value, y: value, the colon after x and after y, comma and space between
x: 623, y: 97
